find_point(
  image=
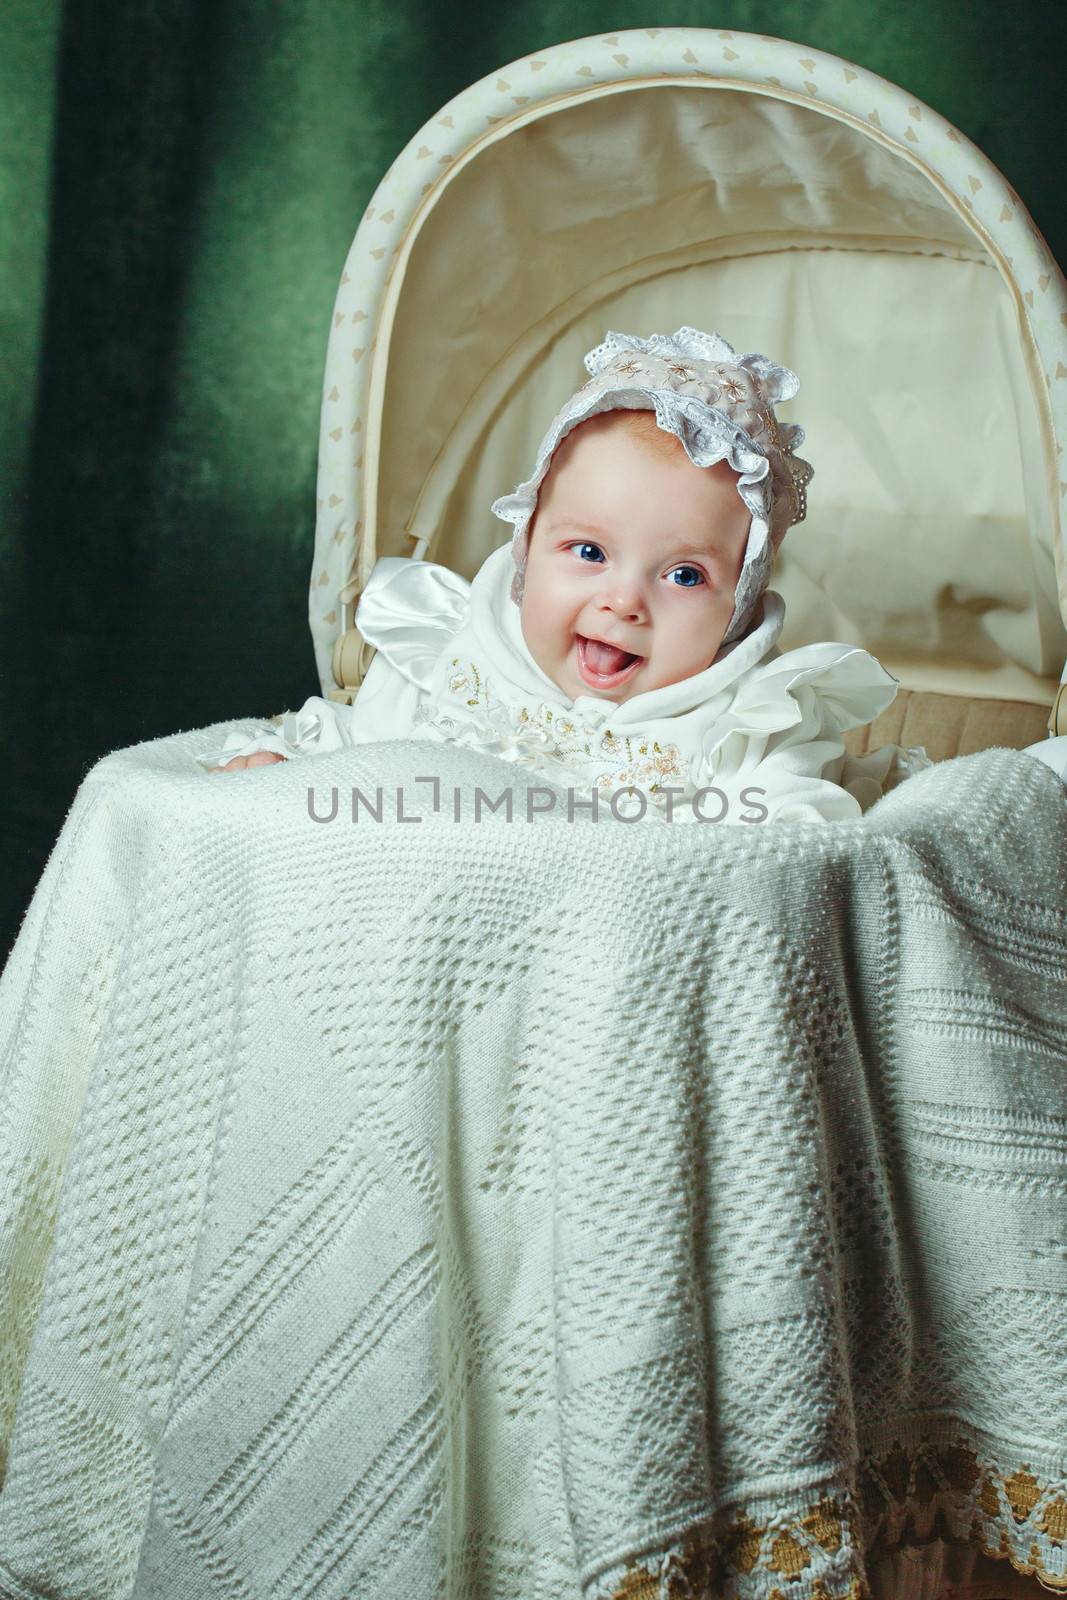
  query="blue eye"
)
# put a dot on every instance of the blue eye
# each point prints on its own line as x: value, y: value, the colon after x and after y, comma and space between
x: 698, y: 576
x: 587, y: 546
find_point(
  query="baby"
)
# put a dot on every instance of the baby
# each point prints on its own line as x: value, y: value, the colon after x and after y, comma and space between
x: 626, y: 639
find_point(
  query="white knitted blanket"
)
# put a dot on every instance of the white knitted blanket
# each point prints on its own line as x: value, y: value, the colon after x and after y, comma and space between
x: 539, y: 1210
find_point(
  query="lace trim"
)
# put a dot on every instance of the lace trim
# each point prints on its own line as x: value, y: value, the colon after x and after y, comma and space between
x: 944, y: 1489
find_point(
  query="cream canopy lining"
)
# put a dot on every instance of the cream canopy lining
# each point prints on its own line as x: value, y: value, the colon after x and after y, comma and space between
x: 929, y: 536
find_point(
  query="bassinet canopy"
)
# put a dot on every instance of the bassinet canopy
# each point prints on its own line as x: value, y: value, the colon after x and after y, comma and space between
x: 798, y: 205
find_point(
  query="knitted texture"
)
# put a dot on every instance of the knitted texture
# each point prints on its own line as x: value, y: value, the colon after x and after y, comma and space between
x: 547, y: 1210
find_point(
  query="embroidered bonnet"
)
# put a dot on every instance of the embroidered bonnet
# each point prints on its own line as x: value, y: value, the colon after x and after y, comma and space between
x: 721, y: 406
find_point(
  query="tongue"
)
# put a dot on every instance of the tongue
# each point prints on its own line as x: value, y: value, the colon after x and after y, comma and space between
x: 606, y: 658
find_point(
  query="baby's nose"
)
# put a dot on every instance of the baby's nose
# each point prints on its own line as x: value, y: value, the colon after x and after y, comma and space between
x: 626, y: 601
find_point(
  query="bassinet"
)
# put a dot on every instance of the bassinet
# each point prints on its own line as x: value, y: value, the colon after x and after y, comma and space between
x: 796, y: 203
x: 363, y: 1242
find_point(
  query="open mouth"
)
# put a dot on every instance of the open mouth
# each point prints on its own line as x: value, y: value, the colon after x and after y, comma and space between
x: 605, y: 666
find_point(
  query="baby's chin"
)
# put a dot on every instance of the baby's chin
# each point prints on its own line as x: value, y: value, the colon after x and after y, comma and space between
x: 575, y: 688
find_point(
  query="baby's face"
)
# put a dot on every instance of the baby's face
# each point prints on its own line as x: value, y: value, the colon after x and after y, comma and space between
x: 637, y: 551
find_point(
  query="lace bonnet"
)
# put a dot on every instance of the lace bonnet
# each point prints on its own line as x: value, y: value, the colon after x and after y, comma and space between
x: 720, y: 405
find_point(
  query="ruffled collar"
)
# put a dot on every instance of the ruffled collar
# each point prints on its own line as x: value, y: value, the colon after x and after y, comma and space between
x: 489, y: 693
x: 462, y: 646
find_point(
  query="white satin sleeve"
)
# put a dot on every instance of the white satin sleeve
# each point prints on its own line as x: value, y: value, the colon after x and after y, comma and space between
x: 1053, y: 752
x: 408, y: 611
x: 778, y: 753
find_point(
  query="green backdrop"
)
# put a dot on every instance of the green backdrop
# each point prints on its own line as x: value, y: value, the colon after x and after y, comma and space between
x: 181, y: 180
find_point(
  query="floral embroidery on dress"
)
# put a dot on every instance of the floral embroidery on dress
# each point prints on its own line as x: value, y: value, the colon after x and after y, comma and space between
x: 662, y: 762
x: 553, y: 743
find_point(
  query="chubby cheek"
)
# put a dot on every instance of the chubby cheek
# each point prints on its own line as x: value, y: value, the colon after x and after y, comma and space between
x: 540, y: 628
x: 546, y: 615
x: 687, y: 642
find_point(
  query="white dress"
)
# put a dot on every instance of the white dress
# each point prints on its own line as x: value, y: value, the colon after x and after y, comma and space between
x: 758, y: 732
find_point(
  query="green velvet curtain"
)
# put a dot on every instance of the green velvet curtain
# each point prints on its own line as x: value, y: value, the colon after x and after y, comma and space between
x: 181, y: 180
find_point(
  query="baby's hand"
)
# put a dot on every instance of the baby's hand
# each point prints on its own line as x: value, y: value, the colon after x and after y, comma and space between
x: 258, y: 758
